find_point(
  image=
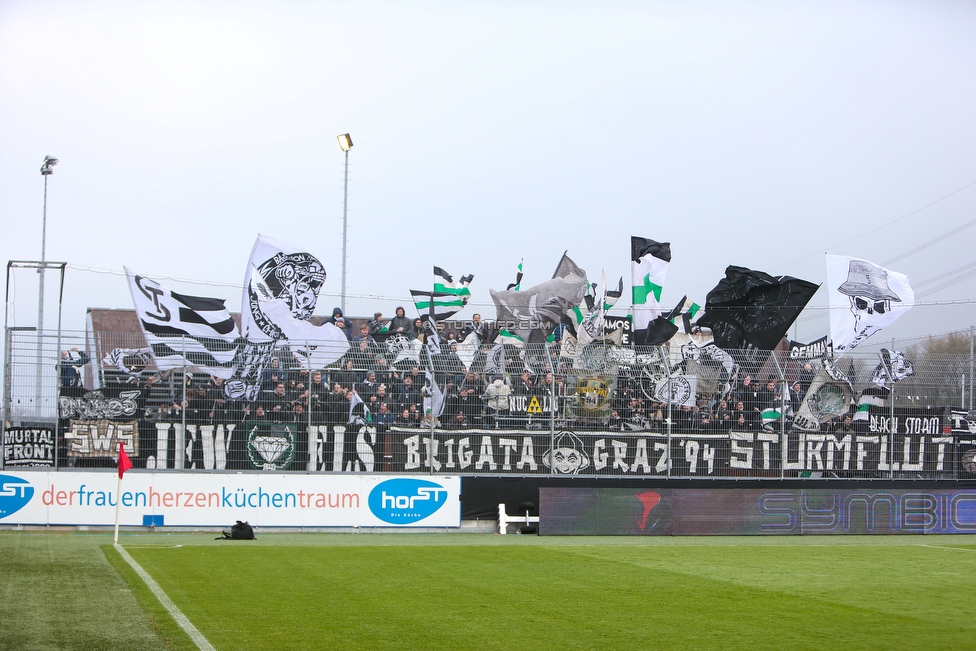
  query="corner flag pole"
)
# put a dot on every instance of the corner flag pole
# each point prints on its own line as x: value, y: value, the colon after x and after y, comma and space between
x: 118, y: 500
x: 124, y: 464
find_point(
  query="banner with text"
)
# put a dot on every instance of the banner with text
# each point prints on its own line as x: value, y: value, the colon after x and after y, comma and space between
x: 268, y: 500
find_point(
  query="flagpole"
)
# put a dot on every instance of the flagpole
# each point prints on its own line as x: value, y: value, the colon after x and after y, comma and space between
x: 123, y: 465
x: 118, y: 504
x: 345, y: 144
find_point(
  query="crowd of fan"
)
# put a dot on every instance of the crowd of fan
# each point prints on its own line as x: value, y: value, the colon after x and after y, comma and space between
x: 365, y: 385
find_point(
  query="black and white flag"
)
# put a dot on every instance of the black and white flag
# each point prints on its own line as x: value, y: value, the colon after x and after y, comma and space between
x: 129, y: 361
x: 281, y: 290
x: 864, y: 299
x: 893, y: 367
x: 183, y: 331
x: 278, y: 271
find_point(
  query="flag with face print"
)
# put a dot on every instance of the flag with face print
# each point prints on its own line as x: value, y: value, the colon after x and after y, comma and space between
x: 864, y: 299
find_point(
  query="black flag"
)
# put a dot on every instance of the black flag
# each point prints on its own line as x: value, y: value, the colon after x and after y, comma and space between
x: 661, y: 329
x: 751, y: 309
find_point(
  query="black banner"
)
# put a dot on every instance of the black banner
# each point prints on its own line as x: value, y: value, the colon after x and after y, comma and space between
x: 28, y: 447
x: 819, y: 349
x: 964, y: 429
x: 604, y: 453
x: 618, y: 329
x: 914, y: 443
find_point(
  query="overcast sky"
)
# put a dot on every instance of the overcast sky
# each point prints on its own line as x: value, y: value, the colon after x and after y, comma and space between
x: 760, y: 134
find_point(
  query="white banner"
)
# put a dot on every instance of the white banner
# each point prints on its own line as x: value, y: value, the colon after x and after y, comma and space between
x: 219, y: 500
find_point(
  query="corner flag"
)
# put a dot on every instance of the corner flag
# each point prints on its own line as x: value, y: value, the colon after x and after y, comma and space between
x: 124, y: 462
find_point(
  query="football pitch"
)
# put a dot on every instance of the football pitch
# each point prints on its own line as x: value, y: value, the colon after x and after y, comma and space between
x: 74, y: 590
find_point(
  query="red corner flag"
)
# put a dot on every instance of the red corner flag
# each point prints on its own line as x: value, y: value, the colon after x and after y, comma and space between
x: 124, y: 462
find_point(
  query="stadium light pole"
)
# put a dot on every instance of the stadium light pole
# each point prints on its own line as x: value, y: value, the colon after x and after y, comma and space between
x: 345, y: 144
x: 46, y: 170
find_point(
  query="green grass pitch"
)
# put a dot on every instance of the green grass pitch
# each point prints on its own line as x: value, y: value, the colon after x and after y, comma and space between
x: 470, y: 591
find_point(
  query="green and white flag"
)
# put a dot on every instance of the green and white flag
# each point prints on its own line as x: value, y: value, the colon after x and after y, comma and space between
x: 507, y: 337
x: 774, y: 411
x: 447, y: 299
x: 876, y: 397
x: 688, y: 309
x: 575, y: 316
x: 769, y: 416
x: 649, y: 261
x: 517, y: 285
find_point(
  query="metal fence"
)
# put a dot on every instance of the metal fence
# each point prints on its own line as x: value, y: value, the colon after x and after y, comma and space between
x: 685, y: 410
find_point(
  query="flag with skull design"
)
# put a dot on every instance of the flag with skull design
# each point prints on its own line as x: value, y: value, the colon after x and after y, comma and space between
x: 281, y: 289
x: 864, y: 299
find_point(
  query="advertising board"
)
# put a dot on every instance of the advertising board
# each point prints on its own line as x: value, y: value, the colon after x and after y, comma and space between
x: 197, y: 499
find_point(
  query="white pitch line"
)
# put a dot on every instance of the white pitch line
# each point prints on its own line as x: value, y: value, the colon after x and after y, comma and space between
x: 955, y: 549
x: 168, y: 604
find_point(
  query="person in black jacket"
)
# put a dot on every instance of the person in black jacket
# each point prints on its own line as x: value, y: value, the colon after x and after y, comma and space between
x: 402, y: 325
x: 70, y: 367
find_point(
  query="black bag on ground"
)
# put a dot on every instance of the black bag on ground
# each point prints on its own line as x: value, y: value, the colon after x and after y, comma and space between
x: 240, y: 531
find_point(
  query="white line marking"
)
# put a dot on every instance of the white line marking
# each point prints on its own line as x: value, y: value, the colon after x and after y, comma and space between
x: 955, y: 549
x: 168, y: 604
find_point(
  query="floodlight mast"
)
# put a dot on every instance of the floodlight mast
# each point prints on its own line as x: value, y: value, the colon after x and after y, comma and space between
x: 345, y: 144
x: 47, y: 168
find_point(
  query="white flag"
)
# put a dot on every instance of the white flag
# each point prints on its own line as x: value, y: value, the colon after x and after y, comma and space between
x: 864, y: 299
x: 313, y: 346
x: 281, y: 291
x: 282, y: 272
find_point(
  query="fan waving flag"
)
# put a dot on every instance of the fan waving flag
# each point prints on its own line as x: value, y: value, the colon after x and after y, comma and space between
x: 751, y: 309
x: 649, y: 262
x: 864, y: 300
x: 124, y: 462
x: 184, y: 331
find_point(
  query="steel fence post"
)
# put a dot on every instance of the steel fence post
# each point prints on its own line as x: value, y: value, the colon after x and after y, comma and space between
x: 667, y: 370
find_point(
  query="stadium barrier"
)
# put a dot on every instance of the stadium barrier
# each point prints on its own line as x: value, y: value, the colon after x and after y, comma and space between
x: 684, y: 410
